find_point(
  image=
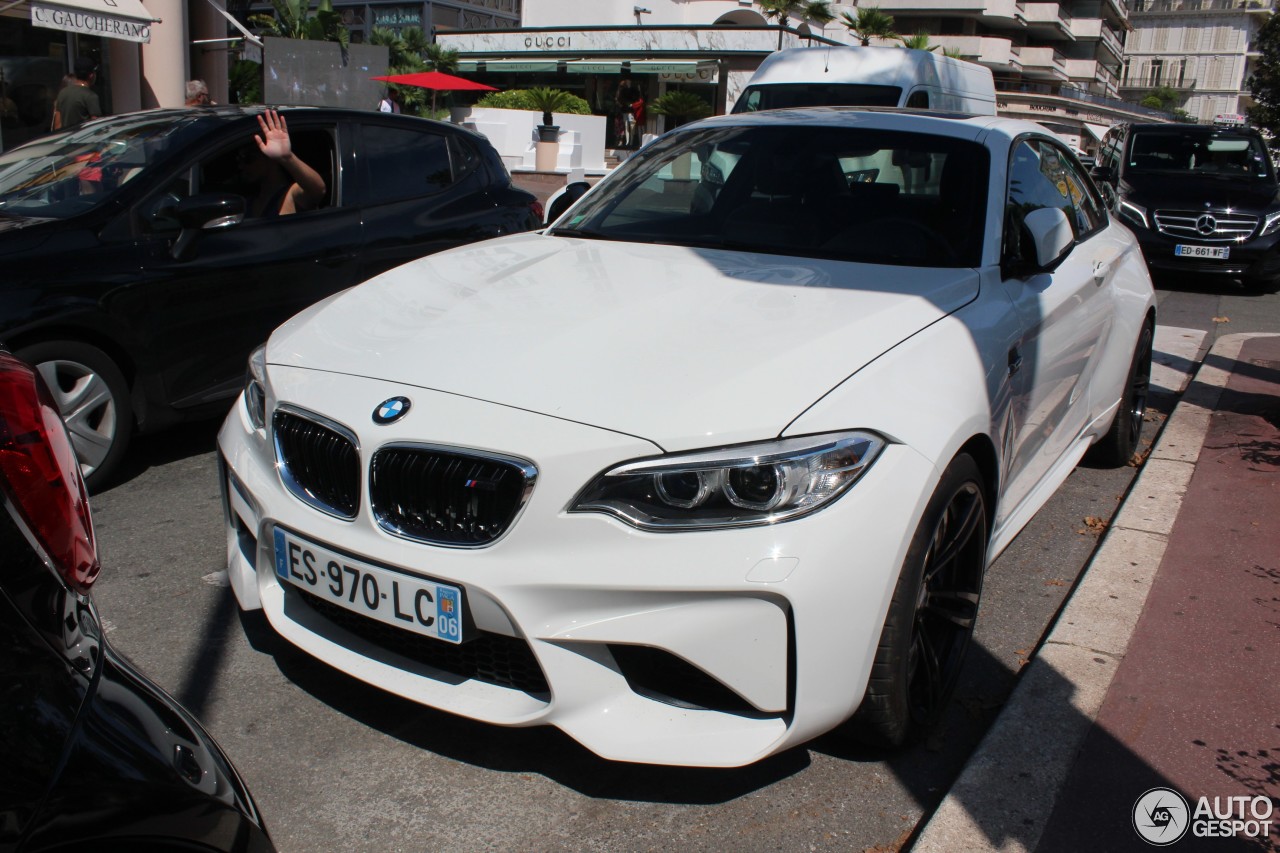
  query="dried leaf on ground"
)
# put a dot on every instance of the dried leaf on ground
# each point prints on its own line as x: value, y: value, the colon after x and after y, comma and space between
x: 1222, y: 319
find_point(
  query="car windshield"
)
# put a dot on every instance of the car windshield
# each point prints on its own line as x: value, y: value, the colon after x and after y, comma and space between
x: 1214, y: 154
x: 851, y: 194
x: 776, y: 96
x: 69, y: 173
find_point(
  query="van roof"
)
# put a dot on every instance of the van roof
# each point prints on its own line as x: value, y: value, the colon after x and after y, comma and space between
x: 871, y: 65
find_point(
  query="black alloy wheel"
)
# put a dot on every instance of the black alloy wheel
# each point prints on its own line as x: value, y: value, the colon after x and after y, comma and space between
x: 947, y: 603
x: 1117, y: 445
x: 932, y: 614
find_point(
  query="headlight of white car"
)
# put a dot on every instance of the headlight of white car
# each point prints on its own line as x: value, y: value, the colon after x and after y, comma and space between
x: 255, y: 385
x: 735, y: 486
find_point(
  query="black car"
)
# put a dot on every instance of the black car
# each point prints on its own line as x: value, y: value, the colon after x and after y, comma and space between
x: 1201, y: 199
x: 93, y: 756
x: 137, y: 280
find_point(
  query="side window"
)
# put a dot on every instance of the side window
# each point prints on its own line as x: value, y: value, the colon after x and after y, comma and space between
x: 1036, y: 180
x: 406, y: 163
x: 1090, y: 211
x: 918, y: 100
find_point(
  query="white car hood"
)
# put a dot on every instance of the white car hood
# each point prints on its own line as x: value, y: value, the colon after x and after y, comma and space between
x: 684, y: 347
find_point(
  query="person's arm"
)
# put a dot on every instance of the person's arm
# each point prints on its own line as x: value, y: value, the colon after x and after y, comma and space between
x: 57, y: 120
x: 308, y: 190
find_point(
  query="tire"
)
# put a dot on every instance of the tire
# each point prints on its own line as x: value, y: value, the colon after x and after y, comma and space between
x: 1117, y: 445
x: 931, y: 616
x: 93, y: 398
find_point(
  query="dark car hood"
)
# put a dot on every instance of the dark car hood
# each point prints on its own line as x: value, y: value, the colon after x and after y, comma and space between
x: 10, y: 225
x: 1178, y: 190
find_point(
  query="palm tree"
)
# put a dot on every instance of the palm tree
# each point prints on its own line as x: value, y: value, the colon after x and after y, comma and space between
x: 293, y: 20
x: 870, y: 23
x: 919, y: 41
x: 439, y: 58
x: 818, y: 11
x: 549, y: 101
x: 680, y: 107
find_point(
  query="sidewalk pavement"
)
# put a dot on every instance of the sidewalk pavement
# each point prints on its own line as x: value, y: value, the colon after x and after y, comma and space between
x: 1159, y: 683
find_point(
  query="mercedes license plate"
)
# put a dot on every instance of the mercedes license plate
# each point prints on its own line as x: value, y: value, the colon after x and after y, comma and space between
x: 406, y: 601
x: 1220, y: 253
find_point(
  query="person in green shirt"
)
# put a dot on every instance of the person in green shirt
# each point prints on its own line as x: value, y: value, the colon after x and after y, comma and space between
x: 77, y: 102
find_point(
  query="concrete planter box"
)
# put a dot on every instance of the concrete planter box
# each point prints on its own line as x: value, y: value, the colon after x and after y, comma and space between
x: 515, y: 134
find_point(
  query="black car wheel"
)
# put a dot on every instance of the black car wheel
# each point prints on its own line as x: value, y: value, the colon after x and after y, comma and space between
x: 93, y: 399
x: 1117, y: 446
x: 932, y: 615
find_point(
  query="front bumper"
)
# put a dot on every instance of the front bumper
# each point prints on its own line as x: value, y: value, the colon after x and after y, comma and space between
x: 1256, y: 259
x: 711, y: 648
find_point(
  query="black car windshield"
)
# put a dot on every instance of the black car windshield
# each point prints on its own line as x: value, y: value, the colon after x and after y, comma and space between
x: 1199, y: 153
x: 777, y: 96
x: 69, y: 173
x: 852, y: 194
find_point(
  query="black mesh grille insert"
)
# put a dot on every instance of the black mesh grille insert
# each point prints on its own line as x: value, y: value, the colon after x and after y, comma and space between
x: 663, y: 676
x: 321, y: 465
x: 444, y: 496
x: 491, y: 658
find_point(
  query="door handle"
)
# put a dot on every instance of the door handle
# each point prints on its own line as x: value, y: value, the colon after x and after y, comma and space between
x: 1015, y: 360
x: 1103, y: 262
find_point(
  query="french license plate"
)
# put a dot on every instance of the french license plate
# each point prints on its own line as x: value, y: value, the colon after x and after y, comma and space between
x: 1220, y: 253
x: 415, y: 604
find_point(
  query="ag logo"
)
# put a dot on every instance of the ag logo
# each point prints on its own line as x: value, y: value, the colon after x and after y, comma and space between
x: 390, y: 411
x: 1161, y: 816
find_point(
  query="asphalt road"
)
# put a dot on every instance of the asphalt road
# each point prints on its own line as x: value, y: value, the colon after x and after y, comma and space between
x: 337, y: 765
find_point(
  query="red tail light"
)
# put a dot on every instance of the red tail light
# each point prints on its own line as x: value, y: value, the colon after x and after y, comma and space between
x: 535, y: 207
x: 41, y: 476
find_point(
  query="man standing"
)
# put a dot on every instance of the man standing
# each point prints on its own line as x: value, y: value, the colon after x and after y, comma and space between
x: 77, y: 102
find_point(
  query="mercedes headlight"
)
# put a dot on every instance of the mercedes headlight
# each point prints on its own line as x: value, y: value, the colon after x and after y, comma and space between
x: 1271, y: 224
x: 255, y: 387
x: 1134, y: 214
x: 734, y: 486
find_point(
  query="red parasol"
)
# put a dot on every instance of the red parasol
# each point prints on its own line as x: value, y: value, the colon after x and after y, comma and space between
x: 436, y: 81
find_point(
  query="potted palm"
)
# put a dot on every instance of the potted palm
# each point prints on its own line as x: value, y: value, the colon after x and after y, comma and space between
x: 548, y: 101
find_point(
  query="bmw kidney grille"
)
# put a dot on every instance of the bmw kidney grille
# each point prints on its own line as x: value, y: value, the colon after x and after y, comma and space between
x: 319, y: 461
x: 445, y: 496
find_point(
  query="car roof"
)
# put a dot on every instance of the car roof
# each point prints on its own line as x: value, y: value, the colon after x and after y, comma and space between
x: 959, y: 125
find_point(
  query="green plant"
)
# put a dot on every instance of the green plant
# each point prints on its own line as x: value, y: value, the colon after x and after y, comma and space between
x: 245, y: 82
x: 680, y: 106
x: 919, y: 41
x: 293, y: 20
x: 818, y: 11
x: 525, y: 99
x: 870, y: 23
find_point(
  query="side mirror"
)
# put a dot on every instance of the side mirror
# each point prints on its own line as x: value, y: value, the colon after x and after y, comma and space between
x: 1051, y: 236
x: 207, y: 212
x: 565, y: 199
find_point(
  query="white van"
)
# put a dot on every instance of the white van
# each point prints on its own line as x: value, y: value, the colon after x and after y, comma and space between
x: 868, y: 77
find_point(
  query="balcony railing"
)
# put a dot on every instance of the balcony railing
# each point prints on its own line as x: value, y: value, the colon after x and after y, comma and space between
x: 1072, y: 93
x: 1141, y: 6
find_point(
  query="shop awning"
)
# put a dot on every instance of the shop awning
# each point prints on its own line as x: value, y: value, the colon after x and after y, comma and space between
x: 118, y: 19
x: 527, y: 65
x: 1097, y: 131
x: 588, y: 66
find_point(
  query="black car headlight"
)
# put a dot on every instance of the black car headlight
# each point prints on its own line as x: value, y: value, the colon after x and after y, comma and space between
x: 1271, y: 224
x: 255, y: 387
x: 1134, y: 214
x: 734, y: 486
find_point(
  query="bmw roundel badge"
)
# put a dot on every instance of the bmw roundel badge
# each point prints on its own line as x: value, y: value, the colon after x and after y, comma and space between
x: 390, y: 411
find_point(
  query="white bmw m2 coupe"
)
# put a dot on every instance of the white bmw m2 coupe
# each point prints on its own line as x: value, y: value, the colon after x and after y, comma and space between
x: 716, y: 462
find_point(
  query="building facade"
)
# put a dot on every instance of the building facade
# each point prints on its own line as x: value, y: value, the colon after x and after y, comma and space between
x: 1055, y: 63
x: 1201, y: 50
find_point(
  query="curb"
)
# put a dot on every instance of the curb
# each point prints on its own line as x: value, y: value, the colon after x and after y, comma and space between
x: 1006, y: 792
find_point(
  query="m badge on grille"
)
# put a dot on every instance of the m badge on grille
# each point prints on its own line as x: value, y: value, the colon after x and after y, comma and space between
x: 390, y: 411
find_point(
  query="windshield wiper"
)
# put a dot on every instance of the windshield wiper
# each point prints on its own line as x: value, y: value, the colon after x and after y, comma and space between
x: 584, y: 233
